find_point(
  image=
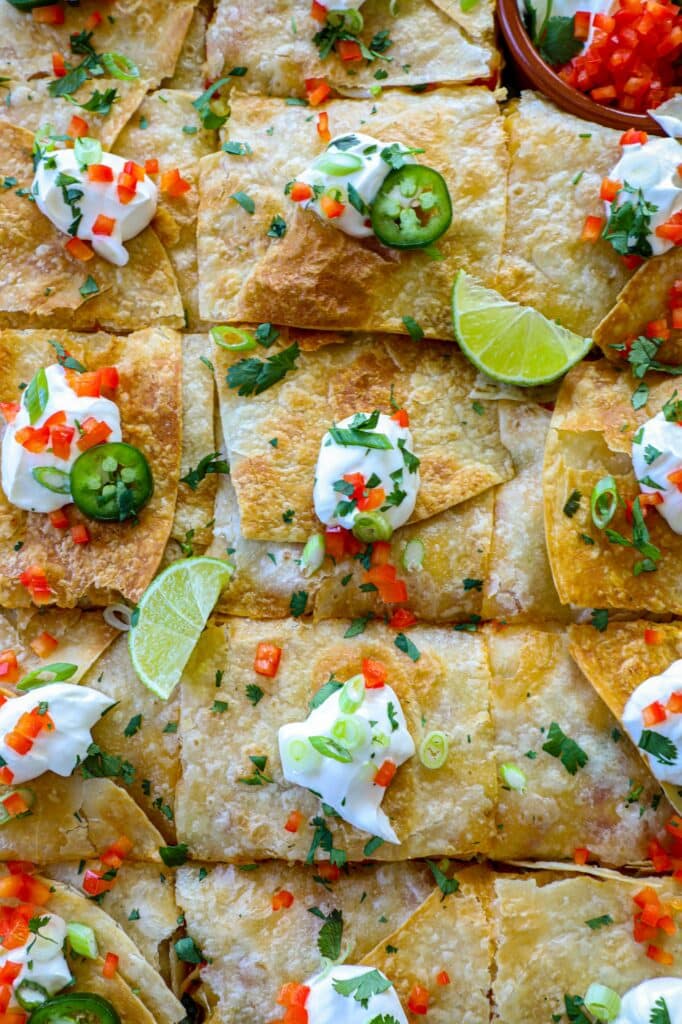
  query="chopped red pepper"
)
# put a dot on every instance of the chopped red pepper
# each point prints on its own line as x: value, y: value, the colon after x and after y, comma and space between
x: 15, y: 805
x: 33, y: 439
x: 418, y: 1001
x: 268, y: 657
x: 318, y: 12
x: 609, y: 189
x: 85, y: 385
x: 53, y: 14
x: 653, y: 637
x: 300, y: 192
x: 581, y: 855
x: 34, y: 579
x: 61, y: 438
x: 349, y: 50
x: 328, y: 872
x: 654, y: 713
x: 402, y: 618
x: 674, y: 704
x: 44, y: 644
x: 401, y: 417
x: 104, y: 225
x: 94, y: 884
x: 293, y: 994
x: 282, y: 900
x: 317, y: 91
x: 386, y: 773
x: 78, y: 127
x: 173, y: 184
x: 151, y: 166
x: 581, y: 24
x: 659, y: 955
x: 79, y: 249
x: 110, y: 965
x: 442, y: 978
x: 100, y: 172
x: 592, y: 229
x: 59, y: 519
x: 323, y: 127
x: 9, y: 667
x: 94, y: 432
x: 294, y: 821
x: 79, y: 534
x: 58, y: 65
x: 93, y: 21
x: 134, y: 169
x: 331, y: 208
x: 9, y: 411
x: 375, y: 673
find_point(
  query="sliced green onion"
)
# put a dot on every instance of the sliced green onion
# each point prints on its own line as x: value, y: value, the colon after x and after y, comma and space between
x: 55, y: 480
x: 57, y: 673
x: 602, y: 1002
x: 604, y: 502
x: 371, y: 526
x: 313, y: 555
x: 36, y: 396
x: 87, y: 151
x: 234, y: 339
x: 352, y: 695
x: 513, y: 777
x: 413, y: 555
x: 351, y: 733
x: 337, y: 163
x: 433, y: 750
x: 30, y: 995
x: 120, y: 67
x: 328, y: 747
x: 301, y: 755
x: 82, y: 940
x: 351, y: 20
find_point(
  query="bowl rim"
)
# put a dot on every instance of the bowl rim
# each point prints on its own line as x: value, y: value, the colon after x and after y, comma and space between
x: 531, y: 64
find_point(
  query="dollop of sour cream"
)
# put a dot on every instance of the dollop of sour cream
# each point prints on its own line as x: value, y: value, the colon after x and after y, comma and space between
x: 42, y: 958
x: 653, y: 168
x: 19, y: 482
x: 73, y: 711
x: 52, y: 189
x: 393, y: 468
x: 325, y: 1005
x: 374, y: 733
x: 656, y: 454
x: 349, y: 162
x: 658, y: 688
x: 637, y: 1004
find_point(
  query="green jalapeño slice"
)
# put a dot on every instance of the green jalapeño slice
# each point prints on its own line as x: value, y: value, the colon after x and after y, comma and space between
x: 111, y: 481
x: 28, y: 5
x: 412, y: 208
x: 76, y: 1008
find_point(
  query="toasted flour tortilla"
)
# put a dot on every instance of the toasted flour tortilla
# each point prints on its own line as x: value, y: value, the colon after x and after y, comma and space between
x: 40, y: 281
x: 535, y: 683
x: 545, y: 264
x: 460, y: 450
x: 316, y: 276
x: 253, y: 952
x: 590, y: 438
x: 121, y: 558
x: 81, y: 637
x: 623, y: 645
x: 220, y: 818
x: 545, y: 949
x: 430, y: 42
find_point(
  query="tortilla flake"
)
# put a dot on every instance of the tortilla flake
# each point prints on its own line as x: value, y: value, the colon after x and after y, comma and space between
x: 121, y: 558
x: 316, y: 276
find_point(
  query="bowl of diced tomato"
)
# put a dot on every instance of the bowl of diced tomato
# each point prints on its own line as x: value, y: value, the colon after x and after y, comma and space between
x: 608, y: 61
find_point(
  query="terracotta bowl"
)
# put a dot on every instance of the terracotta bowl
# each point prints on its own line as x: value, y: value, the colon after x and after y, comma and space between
x: 532, y: 72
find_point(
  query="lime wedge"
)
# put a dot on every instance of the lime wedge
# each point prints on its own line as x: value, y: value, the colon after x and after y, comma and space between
x: 172, y: 614
x: 509, y: 342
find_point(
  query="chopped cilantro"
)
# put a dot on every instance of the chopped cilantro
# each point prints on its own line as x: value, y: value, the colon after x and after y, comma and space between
x: 133, y: 726
x: 253, y: 376
x: 414, y: 329
x: 254, y: 693
x: 404, y: 644
x: 567, y: 750
x: 573, y: 504
x: 214, y: 462
x: 298, y: 603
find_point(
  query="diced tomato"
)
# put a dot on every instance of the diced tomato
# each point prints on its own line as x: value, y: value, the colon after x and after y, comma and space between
x: 331, y: 208
x: 282, y: 900
x: 58, y: 66
x: 173, y: 184
x: 59, y: 519
x: 348, y: 50
x: 33, y: 439
x: 386, y: 773
x: 592, y: 229
x: 94, y: 432
x: 103, y: 225
x: 375, y: 673
x: 654, y: 713
x: 581, y: 24
x: 317, y: 91
x: 44, y: 644
x: 402, y: 618
x: 418, y: 1001
x: 110, y: 965
x: 79, y: 249
x: 293, y: 994
x: 53, y: 14
x: 93, y: 21
x: 294, y: 821
x: 323, y: 127
x: 151, y: 166
x: 9, y: 411
x: 268, y: 657
x: 79, y: 534
x: 581, y: 855
x: 401, y: 417
x: 94, y: 884
x: 9, y: 667
x: 61, y: 438
x: 443, y: 978
x: 318, y: 12
x: 100, y: 172
x: 328, y: 872
x: 78, y: 127
x: 300, y: 192
x: 659, y: 955
x: 653, y: 637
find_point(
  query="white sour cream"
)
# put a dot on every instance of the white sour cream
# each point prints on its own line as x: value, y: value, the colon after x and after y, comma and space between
x: 42, y: 959
x: 659, y: 435
x: 98, y: 198
x: 652, y: 167
x: 349, y: 787
x: 337, y: 460
x: 637, y: 1004
x: 658, y: 688
x: 348, y: 160
x: 20, y: 486
x: 73, y: 709
x: 327, y: 1006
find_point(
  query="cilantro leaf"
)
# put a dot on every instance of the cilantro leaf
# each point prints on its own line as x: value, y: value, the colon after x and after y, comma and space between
x: 64, y: 359
x: 246, y: 202
x: 254, y: 693
x: 595, y: 923
x: 323, y: 839
x: 100, y: 765
x: 415, y: 330
x: 174, y: 856
x: 331, y: 933
x: 660, y: 747
x: 573, y: 504
x: 558, y: 44
x: 574, y: 1010
x: 404, y: 644
x: 133, y: 726
x: 330, y: 687
x: 253, y: 376
x: 567, y: 750
x: 600, y: 618
x: 211, y: 463
x: 447, y: 886
x: 211, y: 118
x: 188, y: 951
x: 357, y: 627
x: 659, y: 1012
x: 236, y: 148
x: 372, y: 845
x: 298, y: 603
x: 363, y: 986
x: 278, y: 227
x: 629, y: 225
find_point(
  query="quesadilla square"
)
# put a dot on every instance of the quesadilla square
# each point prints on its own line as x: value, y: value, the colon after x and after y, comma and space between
x: 317, y: 276
x: 557, y: 164
x: 119, y: 557
x: 555, y: 938
x: 591, y: 438
x: 42, y: 285
x: 220, y: 814
x: 582, y: 785
x: 392, y: 920
x: 418, y: 44
x: 460, y: 450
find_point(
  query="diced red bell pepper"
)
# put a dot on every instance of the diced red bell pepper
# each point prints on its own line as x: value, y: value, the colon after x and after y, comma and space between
x: 9, y: 667
x: 581, y: 855
x: 282, y: 900
x: 9, y: 972
x: 674, y: 703
x: 317, y: 91
x: 293, y: 994
x: 173, y: 184
x: 318, y: 12
x: 44, y: 644
x: 328, y: 872
x: 80, y: 534
x: 9, y: 411
x: 381, y: 553
x: 53, y: 14
x: 653, y: 637
x: 93, y: 21
x: 94, y: 432
x: 151, y: 166
x: 592, y: 229
x: 78, y: 127
x: 443, y: 978
x: 59, y: 519
x: 386, y: 773
x: 110, y: 965
x: 654, y: 713
x: 61, y: 438
x: 375, y: 673
x: 117, y: 852
x: 402, y: 618
x: 658, y: 329
x: 79, y: 249
x: 109, y: 378
x: 348, y: 50
x: 418, y: 1001
x: 294, y: 821
x: 676, y: 479
x: 85, y: 385
x: 94, y: 884
x: 401, y: 417
x: 104, y: 225
x: 100, y: 172
x: 581, y: 24
x: 33, y: 439
x: 331, y: 208
x: 268, y: 657
x: 125, y: 195
x: 633, y: 137
x: 374, y: 498
x: 34, y: 579
x: 300, y: 192
x: 134, y: 169
x: 661, y: 956
x: 18, y: 933
x: 609, y: 189
x: 15, y: 805
x: 58, y: 65
x: 323, y: 127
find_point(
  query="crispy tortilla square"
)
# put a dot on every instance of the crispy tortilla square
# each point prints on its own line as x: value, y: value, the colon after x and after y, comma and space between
x: 316, y: 276
x: 428, y: 42
x: 121, y: 558
x: 590, y: 438
x: 42, y: 285
x: 220, y: 818
x: 189, y: 68
x: 557, y: 164
x: 460, y: 450
x: 546, y: 949
x: 563, y: 806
